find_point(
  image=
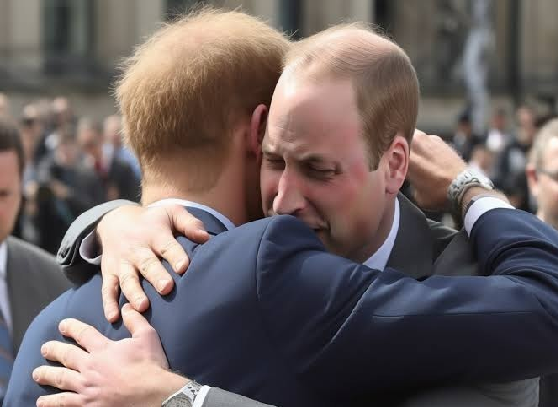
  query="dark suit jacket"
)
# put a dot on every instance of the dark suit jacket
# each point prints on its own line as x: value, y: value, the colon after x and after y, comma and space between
x: 34, y: 280
x: 277, y: 318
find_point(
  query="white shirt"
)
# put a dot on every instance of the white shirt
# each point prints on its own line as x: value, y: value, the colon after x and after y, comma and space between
x: 379, y: 259
x: 4, y: 296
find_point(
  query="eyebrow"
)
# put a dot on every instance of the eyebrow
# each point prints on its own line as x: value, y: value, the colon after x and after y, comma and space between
x: 313, y: 157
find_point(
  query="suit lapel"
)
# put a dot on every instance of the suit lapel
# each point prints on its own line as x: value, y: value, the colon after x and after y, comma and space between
x: 412, y: 251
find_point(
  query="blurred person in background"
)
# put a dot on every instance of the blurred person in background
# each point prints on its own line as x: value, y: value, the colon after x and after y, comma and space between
x: 61, y: 117
x: 509, y: 171
x: 542, y: 173
x: 114, y: 149
x: 32, y: 130
x: 498, y: 137
x: 4, y: 106
x: 481, y: 160
x: 29, y: 277
x: 464, y: 140
x: 542, y: 177
x: 64, y: 189
x: 118, y: 179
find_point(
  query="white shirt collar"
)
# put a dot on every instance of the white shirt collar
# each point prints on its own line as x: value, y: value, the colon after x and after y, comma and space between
x: 379, y: 259
x: 183, y: 202
x: 3, y: 259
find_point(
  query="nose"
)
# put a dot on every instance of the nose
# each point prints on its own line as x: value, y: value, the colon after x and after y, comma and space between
x: 289, y: 199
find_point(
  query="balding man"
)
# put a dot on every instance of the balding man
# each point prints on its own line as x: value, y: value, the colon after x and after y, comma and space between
x: 542, y: 177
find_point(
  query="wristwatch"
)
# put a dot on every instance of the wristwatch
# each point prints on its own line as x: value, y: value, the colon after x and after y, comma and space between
x: 466, y: 179
x: 184, y: 397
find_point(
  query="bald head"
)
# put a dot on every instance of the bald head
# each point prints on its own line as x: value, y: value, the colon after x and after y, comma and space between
x: 382, y: 76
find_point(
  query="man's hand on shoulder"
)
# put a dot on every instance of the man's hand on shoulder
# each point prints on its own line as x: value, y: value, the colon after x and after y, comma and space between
x: 102, y: 372
x: 133, y: 240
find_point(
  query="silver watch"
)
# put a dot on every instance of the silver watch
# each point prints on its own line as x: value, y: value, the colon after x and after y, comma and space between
x: 466, y: 179
x: 184, y: 397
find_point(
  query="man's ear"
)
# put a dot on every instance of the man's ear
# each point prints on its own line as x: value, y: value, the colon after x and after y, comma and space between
x: 258, y: 123
x: 532, y: 179
x: 397, y: 158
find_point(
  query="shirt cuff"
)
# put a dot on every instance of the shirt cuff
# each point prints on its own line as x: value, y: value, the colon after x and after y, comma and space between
x: 480, y: 207
x: 89, y: 249
x: 200, y: 398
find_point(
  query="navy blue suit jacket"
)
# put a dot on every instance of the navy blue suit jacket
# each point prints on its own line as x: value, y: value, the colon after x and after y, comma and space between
x: 265, y: 312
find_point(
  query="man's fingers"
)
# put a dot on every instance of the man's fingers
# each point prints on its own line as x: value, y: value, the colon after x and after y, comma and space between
x: 135, y: 322
x: 59, y: 377
x: 143, y: 332
x: 85, y: 335
x: 188, y: 224
x: 60, y: 400
x: 110, y: 293
x: 69, y: 355
x: 129, y: 279
x: 166, y: 246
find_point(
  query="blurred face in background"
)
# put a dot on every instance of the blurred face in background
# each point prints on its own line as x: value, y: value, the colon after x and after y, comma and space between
x: 10, y: 192
x: 111, y: 131
x: 90, y: 143
x: 67, y: 153
x: 543, y: 183
x: 526, y: 122
x: 499, y: 121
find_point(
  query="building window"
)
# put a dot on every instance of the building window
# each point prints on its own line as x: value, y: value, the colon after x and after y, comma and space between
x: 68, y: 36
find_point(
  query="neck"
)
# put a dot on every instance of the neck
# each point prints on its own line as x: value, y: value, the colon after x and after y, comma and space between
x: 382, y: 233
x: 227, y: 196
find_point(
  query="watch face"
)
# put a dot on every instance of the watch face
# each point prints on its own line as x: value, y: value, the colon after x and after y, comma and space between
x: 179, y: 400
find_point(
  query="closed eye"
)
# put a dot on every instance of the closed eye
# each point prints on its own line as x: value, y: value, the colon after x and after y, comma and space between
x: 274, y: 162
x: 320, y: 173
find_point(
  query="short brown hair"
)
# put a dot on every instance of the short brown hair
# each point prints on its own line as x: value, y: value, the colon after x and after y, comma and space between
x: 187, y: 86
x: 385, y: 82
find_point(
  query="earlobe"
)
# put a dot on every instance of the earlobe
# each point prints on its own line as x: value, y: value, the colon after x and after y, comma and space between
x: 398, y: 164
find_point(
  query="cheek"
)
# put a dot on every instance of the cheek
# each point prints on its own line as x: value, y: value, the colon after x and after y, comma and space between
x: 551, y: 192
x: 269, y: 181
x: 338, y: 205
x: 8, y: 210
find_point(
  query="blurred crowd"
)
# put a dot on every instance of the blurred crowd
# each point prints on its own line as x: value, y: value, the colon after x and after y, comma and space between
x: 507, y: 153
x: 70, y: 165
x: 73, y: 163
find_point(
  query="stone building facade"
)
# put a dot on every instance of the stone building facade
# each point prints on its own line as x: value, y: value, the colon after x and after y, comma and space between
x: 71, y: 47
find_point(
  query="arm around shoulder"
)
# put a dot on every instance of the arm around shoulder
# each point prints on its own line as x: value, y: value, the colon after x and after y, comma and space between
x: 68, y: 254
x: 329, y: 314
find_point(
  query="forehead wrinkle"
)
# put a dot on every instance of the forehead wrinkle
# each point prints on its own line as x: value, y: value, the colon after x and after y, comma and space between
x: 282, y: 140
